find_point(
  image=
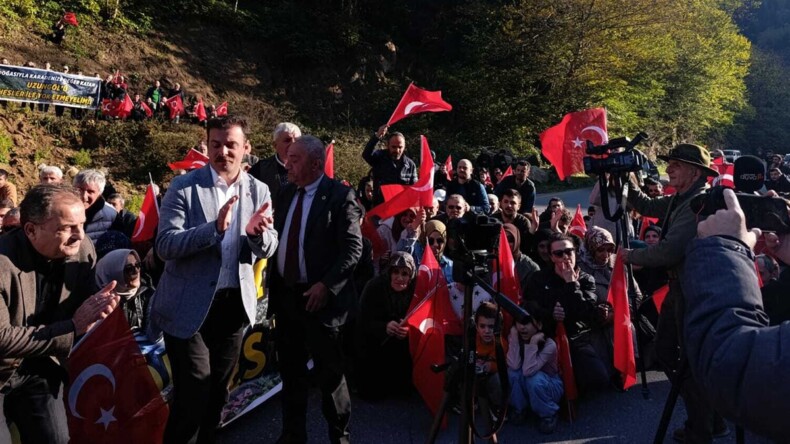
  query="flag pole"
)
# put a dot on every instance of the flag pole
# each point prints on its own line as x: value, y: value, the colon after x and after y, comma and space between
x: 156, y: 202
x: 399, y: 102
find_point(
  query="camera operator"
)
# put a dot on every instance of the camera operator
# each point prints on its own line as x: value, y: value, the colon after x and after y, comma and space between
x: 729, y: 345
x: 689, y: 166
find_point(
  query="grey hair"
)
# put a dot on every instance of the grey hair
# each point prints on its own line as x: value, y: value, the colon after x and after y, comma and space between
x: 88, y: 177
x: 50, y: 169
x: 38, y: 203
x: 286, y: 127
x: 314, y: 148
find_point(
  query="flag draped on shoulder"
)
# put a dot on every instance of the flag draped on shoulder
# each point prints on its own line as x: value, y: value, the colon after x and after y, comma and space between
x: 417, y: 100
x: 400, y: 197
x: 148, y: 218
x: 564, y: 144
x: 112, y: 397
x: 429, y: 318
x: 578, y: 226
x: 193, y: 160
x: 624, y: 359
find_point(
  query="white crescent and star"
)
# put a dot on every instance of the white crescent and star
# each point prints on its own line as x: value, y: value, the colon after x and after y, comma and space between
x: 76, y: 387
x: 411, y: 107
x: 598, y: 130
x: 426, y: 324
x: 141, y: 222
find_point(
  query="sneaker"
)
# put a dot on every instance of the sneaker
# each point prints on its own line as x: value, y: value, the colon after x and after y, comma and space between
x: 548, y: 425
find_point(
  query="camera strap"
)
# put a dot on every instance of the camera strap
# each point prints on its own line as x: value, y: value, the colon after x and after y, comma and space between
x: 604, y: 190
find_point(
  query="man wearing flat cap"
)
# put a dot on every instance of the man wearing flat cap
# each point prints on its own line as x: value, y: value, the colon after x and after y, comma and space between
x: 688, y: 169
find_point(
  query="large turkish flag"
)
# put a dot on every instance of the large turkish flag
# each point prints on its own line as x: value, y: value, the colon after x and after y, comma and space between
x: 564, y: 144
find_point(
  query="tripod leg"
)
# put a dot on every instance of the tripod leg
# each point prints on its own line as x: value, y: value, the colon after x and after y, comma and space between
x: 437, y: 421
x: 672, y: 399
x: 740, y: 437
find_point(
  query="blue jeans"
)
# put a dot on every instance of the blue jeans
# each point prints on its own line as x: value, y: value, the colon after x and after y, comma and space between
x: 540, y: 392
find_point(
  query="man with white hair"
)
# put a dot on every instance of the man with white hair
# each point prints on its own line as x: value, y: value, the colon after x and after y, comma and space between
x: 50, y: 174
x: 271, y: 170
x: 99, y: 215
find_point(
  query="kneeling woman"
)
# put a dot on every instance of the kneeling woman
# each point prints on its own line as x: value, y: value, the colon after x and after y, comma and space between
x: 384, y: 365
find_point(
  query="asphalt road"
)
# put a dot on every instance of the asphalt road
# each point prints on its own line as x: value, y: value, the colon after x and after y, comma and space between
x: 571, y: 199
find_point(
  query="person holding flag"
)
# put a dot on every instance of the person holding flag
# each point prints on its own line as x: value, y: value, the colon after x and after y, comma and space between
x: 389, y: 166
x: 46, y: 279
x: 384, y: 367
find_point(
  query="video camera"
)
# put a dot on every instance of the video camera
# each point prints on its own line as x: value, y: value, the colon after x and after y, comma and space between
x: 609, y: 159
x: 765, y: 213
x: 474, y: 234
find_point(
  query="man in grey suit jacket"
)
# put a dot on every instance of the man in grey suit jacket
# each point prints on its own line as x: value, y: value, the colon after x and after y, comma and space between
x: 311, y: 289
x: 213, y: 223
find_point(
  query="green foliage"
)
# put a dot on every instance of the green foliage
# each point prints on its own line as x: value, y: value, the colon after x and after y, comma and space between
x: 6, y: 144
x: 42, y: 155
x: 134, y: 202
x: 82, y: 159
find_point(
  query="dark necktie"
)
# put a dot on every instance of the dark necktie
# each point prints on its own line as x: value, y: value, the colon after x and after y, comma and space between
x: 291, y: 266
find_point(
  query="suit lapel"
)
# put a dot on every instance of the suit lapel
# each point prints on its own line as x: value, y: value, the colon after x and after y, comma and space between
x: 320, y: 202
x: 206, y: 194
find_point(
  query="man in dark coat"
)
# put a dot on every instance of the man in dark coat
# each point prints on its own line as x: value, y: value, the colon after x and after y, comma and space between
x: 271, y: 170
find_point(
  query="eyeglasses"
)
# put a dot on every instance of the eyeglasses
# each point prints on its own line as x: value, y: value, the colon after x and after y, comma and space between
x: 560, y: 253
x: 435, y: 240
x: 454, y: 207
x: 131, y: 268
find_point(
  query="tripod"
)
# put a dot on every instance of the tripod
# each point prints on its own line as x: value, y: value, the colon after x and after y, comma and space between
x: 461, y: 370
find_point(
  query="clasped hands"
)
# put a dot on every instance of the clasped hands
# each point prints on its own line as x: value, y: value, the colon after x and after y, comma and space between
x: 260, y: 221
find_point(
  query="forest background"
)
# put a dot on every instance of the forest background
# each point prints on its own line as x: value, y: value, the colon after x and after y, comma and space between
x: 706, y: 71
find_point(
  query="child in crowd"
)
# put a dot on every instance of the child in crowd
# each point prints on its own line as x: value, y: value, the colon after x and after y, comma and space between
x: 534, y: 375
x: 488, y: 388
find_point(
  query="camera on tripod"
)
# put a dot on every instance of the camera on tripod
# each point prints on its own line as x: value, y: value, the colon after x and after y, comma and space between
x: 617, y: 156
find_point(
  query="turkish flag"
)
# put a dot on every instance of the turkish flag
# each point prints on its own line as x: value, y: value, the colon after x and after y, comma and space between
x: 646, y: 223
x: 564, y: 144
x: 200, y: 111
x: 148, y: 218
x: 400, y: 197
x: 448, y: 165
x: 659, y: 296
x: 222, y: 110
x: 430, y: 318
x: 508, y: 172
x: 124, y: 109
x: 506, y: 279
x: 70, y: 18
x: 417, y: 100
x: 726, y: 171
x: 112, y: 397
x: 624, y: 359
x: 108, y: 107
x: 578, y: 227
x: 565, y: 364
x: 329, y: 165
x: 176, y: 106
x: 193, y: 160
x: 147, y: 109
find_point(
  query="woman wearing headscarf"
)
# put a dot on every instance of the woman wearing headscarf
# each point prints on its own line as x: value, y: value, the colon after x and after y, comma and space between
x: 524, y: 265
x: 597, y: 259
x: 123, y: 266
x: 384, y: 365
x: 435, y: 236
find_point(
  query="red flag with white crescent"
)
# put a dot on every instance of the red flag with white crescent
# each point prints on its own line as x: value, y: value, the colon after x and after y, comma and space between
x: 148, y: 218
x: 112, y: 397
x: 507, y: 279
x: 175, y: 105
x: 448, y: 166
x: 222, y: 110
x: 70, y: 18
x: 624, y: 358
x: 147, y: 109
x: 508, y: 172
x: 400, y: 197
x: 200, y: 111
x: 193, y: 160
x: 564, y: 144
x: 417, y: 100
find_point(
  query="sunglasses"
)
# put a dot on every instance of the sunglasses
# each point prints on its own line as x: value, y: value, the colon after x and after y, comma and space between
x: 606, y: 249
x: 131, y: 268
x: 454, y: 207
x: 561, y: 253
x: 437, y: 241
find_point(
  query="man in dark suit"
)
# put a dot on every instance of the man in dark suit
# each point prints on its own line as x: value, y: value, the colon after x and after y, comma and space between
x: 46, y: 276
x: 311, y: 287
x: 271, y: 170
x: 214, y: 222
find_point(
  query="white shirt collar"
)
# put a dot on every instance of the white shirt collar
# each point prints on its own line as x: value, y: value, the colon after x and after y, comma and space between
x: 220, y: 182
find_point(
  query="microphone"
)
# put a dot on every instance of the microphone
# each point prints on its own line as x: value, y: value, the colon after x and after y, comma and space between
x: 749, y: 174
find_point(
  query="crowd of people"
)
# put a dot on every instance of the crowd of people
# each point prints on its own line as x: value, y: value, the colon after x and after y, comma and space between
x: 338, y: 296
x: 154, y: 103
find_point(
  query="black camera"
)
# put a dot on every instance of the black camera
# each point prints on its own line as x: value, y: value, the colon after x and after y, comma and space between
x: 610, y: 159
x: 474, y: 233
x: 765, y: 213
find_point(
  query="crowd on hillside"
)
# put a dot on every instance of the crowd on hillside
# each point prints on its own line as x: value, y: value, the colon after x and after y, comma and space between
x: 158, y: 102
x: 338, y: 289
